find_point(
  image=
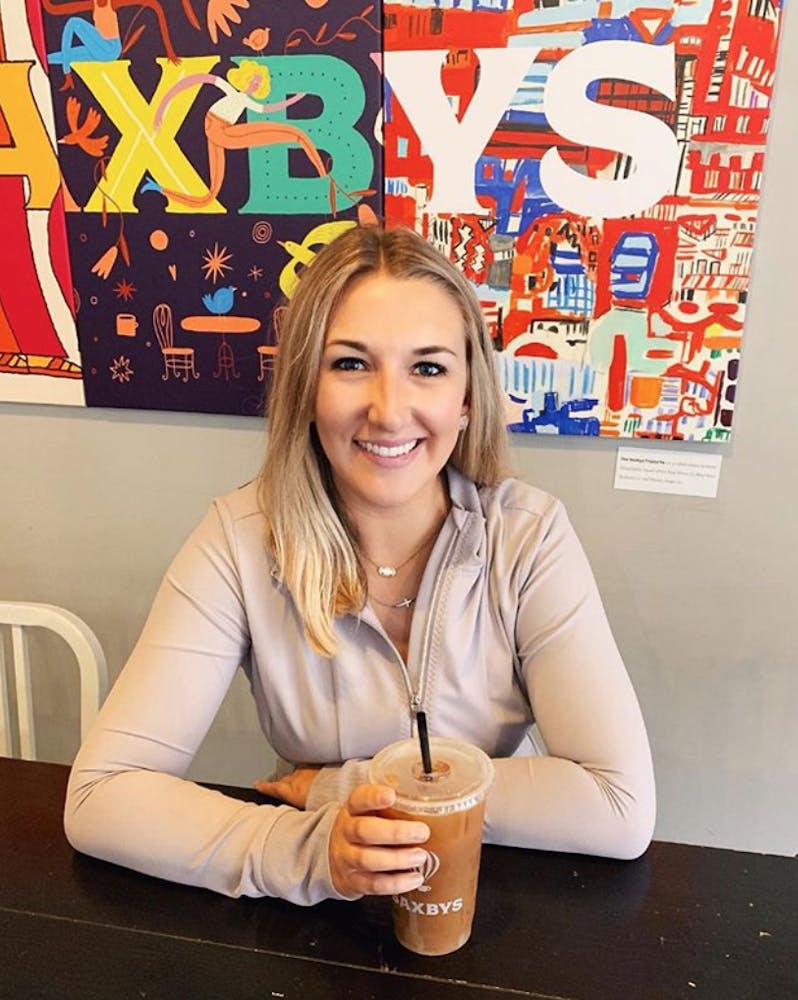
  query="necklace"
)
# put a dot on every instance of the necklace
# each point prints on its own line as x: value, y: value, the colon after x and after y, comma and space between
x: 406, y: 602
x: 391, y: 571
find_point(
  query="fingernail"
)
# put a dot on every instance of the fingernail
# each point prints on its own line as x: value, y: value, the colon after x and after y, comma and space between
x: 420, y: 835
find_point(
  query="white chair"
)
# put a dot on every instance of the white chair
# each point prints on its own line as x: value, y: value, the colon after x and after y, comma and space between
x: 20, y: 616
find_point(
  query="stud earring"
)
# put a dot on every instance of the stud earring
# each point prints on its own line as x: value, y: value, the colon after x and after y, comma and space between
x: 463, y: 423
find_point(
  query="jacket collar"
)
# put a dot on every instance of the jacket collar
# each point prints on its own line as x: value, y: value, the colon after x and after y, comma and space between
x: 468, y: 515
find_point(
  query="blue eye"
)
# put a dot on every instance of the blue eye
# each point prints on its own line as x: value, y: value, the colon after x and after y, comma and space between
x: 429, y: 369
x: 348, y: 364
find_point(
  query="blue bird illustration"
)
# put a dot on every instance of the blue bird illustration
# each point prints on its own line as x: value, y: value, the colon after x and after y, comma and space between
x: 220, y: 302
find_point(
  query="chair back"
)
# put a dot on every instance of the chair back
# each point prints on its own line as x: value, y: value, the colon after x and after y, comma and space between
x: 19, y: 617
x: 162, y: 323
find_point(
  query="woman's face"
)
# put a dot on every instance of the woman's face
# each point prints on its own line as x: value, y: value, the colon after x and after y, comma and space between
x: 391, y: 392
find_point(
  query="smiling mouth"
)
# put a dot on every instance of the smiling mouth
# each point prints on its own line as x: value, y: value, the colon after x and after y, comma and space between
x: 388, y: 451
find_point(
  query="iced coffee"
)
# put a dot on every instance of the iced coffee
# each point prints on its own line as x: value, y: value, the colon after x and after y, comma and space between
x: 436, y: 918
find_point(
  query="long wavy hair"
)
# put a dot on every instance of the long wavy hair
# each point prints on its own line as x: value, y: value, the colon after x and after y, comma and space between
x: 308, y: 534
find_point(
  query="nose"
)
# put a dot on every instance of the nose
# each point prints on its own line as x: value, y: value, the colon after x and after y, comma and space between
x: 388, y: 401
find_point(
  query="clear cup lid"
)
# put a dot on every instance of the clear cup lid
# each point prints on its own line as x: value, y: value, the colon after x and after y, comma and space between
x: 462, y: 775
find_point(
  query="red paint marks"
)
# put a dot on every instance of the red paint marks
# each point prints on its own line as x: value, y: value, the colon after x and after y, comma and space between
x: 617, y: 374
x: 536, y: 350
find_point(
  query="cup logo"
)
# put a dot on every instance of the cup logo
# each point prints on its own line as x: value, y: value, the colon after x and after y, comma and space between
x: 428, y: 869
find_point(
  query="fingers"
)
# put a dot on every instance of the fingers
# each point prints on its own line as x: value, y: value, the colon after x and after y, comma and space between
x: 283, y: 790
x: 380, y: 831
x: 394, y: 884
x: 370, y: 829
x: 372, y: 854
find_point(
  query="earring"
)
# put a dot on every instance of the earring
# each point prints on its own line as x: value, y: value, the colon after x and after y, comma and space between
x: 463, y: 422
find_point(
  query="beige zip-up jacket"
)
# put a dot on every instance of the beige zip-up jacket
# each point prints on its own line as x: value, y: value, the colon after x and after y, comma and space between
x: 508, y: 629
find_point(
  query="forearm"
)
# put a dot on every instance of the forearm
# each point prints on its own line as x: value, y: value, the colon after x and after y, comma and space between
x: 553, y: 804
x: 167, y: 827
x: 548, y: 803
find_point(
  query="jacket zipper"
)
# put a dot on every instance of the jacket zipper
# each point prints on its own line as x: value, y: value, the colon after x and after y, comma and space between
x: 416, y: 697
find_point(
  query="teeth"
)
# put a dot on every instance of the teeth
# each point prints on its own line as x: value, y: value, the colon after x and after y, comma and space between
x: 386, y: 452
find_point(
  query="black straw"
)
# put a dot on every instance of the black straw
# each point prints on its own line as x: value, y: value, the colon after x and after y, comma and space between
x: 423, y: 739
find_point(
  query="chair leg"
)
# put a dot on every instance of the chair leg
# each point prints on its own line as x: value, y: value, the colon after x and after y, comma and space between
x: 5, y: 713
x: 27, y: 736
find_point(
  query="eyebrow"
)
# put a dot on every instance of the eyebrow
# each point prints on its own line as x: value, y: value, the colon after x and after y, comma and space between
x: 421, y: 352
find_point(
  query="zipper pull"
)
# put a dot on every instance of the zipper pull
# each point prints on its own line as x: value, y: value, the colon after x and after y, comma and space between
x: 415, y: 703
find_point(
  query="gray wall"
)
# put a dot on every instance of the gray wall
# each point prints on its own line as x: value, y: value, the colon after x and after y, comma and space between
x: 702, y: 594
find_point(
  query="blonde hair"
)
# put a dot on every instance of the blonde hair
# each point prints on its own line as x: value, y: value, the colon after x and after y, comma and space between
x: 308, y: 534
x: 241, y: 76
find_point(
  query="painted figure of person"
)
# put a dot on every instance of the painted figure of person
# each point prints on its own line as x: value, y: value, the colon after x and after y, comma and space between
x: 244, y: 89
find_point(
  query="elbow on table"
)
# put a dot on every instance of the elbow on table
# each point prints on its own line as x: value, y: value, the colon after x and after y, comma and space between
x: 633, y: 844
x: 82, y: 830
x: 634, y: 832
x: 77, y: 832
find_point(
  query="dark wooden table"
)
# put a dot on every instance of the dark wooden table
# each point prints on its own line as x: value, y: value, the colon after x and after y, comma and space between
x: 682, y: 922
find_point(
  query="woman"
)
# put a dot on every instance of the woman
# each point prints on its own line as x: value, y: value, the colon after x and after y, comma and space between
x: 246, y: 85
x: 382, y: 564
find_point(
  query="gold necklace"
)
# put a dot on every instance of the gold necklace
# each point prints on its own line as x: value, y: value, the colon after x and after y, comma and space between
x: 390, y: 571
x: 405, y: 602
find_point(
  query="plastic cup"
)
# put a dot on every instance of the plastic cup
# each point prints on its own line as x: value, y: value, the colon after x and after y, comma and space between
x: 436, y: 918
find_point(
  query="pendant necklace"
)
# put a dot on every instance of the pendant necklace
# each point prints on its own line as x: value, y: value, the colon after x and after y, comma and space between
x: 388, y: 572
x: 405, y: 602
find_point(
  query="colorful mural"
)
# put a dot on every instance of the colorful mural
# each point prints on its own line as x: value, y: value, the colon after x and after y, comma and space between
x: 593, y: 166
x: 207, y: 154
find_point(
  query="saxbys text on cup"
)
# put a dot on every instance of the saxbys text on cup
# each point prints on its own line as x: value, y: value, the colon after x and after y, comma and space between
x: 428, y: 869
x: 428, y: 909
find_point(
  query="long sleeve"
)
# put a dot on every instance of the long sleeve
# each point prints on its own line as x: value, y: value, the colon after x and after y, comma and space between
x: 127, y: 801
x: 593, y: 791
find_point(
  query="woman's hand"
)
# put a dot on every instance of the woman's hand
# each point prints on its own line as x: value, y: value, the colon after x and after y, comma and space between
x: 371, y: 854
x: 293, y: 788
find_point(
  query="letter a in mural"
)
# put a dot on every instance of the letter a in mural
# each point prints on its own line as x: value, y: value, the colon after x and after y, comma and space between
x: 37, y: 328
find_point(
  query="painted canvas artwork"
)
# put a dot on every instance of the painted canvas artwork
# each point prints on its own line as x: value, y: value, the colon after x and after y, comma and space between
x: 594, y: 167
x: 208, y: 148
x: 168, y: 167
